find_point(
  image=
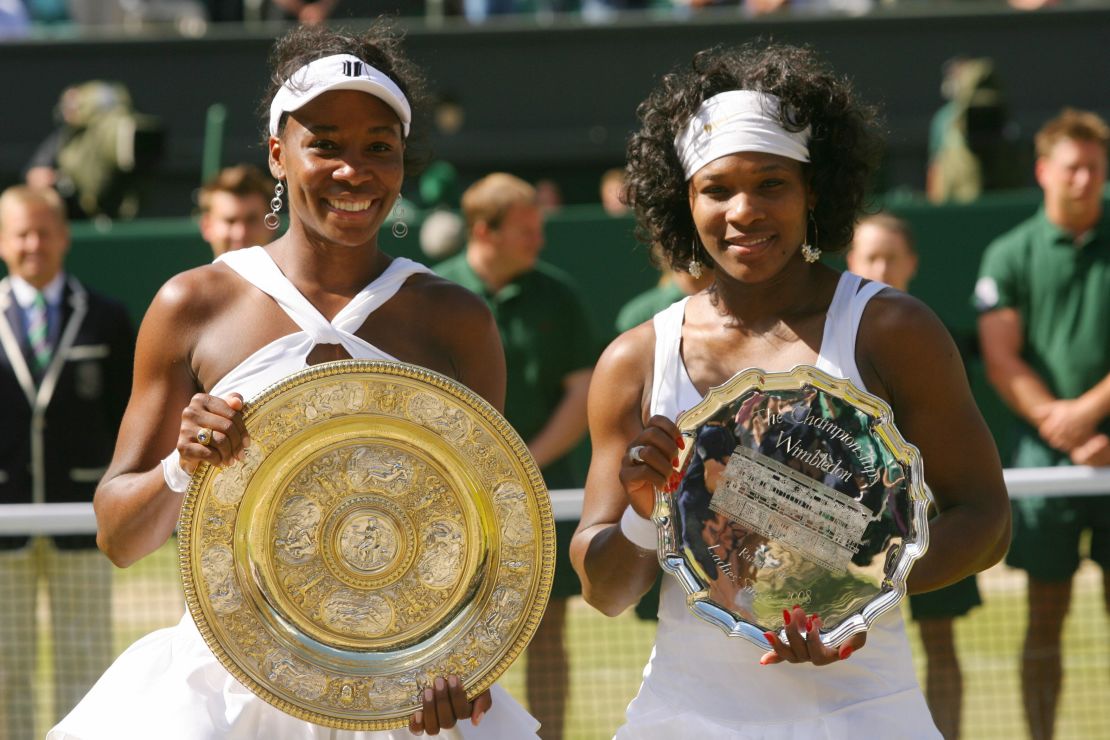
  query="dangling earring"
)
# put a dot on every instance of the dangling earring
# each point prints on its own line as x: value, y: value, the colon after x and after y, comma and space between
x: 400, y: 228
x: 811, y: 252
x: 694, y: 268
x: 271, y: 219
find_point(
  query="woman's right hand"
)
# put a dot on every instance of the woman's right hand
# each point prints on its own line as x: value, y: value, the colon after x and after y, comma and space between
x: 649, y: 462
x: 220, y: 421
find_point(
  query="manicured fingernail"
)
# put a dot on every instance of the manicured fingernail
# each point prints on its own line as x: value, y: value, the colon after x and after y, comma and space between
x: 429, y: 695
x: 452, y: 681
x: 765, y: 660
x: 419, y: 717
x: 440, y: 683
x: 681, y: 442
x: 809, y: 623
x: 786, y: 616
x: 845, y: 652
x: 476, y: 718
x: 674, y: 462
x: 770, y: 637
x: 796, y: 606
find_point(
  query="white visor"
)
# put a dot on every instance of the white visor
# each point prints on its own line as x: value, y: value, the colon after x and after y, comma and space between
x: 339, y: 72
x: 737, y: 121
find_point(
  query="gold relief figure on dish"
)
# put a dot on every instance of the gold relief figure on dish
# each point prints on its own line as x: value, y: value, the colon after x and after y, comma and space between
x: 505, y: 605
x: 432, y: 488
x: 356, y: 613
x: 389, y: 398
x: 295, y: 530
x: 393, y: 691
x: 291, y: 674
x: 512, y: 510
x: 297, y: 583
x: 381, y: 468
x: 231, y: 482
x: 447, y: 421
x: 368, y: 542
x: 441, y: 560
x: 218, y: 566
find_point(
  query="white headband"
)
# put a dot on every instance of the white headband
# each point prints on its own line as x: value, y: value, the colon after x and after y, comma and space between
x: 737, y: 121
x: 339, y: 72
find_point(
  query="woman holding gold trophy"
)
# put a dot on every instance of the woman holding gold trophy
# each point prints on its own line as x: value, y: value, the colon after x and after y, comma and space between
x: 338, y: 111
x: 752, y: 163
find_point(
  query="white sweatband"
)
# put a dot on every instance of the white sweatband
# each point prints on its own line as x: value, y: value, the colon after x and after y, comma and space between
x: 176, y: 477
x: 737, y: 121
x: 337, y: 72
x: 639, y: 531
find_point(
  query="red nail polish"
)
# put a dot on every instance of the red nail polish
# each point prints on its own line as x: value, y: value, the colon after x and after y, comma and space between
x: 796, y: 606
x: 681, y: 443
x: 809, y: 623
x: 770, y: 637
x: 786, y: 617
x: 674, y: 462
x: 845, y: 652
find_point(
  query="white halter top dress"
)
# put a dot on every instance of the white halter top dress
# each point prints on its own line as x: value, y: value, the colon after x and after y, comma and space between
x: 701, y: 684
x: 169, y: 685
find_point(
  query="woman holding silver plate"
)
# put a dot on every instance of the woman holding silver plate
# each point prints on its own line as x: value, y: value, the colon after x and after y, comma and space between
x: 339, y: 113
x: 752, y: 163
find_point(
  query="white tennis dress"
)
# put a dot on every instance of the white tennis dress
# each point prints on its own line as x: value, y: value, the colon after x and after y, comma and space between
x: 701, y: 684
x: 169, y: 685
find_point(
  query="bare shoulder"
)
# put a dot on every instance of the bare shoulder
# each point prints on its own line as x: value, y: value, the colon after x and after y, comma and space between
x: 896, y: 316
x: 197, y: 294
x: 623, y: 373
x: 632, y: 350
x: 434, y: 299
x: 901, y: 340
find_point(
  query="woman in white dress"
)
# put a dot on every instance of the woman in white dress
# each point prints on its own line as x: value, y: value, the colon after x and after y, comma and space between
x: 751, y: 163
x: 340, y: 109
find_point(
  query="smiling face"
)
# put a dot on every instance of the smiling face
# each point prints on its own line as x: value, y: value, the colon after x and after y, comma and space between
x: 33, y: 240
x: 342, y: 157
x: 750, y: 212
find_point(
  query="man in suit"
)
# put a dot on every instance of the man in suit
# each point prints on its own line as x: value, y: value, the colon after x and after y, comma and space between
x: 65, y: 372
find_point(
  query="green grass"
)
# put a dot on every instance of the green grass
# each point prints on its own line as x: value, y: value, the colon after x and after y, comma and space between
x: 607, y: 655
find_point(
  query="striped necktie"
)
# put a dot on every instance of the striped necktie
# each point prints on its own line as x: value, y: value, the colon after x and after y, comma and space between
x: 38, y: 332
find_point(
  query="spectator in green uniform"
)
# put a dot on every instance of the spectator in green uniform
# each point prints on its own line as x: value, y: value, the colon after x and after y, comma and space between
x: 673, y: 285
x: 550, y: 349
x: 1044, y: 327
x: 883, y: 249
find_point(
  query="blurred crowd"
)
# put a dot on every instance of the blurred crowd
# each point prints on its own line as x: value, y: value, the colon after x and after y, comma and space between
x: 191, y: 17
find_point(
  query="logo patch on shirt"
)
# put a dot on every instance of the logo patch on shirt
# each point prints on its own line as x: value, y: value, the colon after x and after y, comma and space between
x: 986, y: 293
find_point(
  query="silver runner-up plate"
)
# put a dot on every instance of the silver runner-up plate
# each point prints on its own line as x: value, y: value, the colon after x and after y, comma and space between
x: 796, y: 489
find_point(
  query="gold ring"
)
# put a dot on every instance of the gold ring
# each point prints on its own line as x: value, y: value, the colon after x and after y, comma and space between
x: 204, y: 436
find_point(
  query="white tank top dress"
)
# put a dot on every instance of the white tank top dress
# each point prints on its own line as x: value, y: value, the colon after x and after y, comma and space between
x: 169, y: 685
x: 700, y: 684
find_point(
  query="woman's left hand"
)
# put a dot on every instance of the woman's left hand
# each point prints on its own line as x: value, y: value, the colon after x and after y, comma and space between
x: 445, y: 704
x: 807, y: 648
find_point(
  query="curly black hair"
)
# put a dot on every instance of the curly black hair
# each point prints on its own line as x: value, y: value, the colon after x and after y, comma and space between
x: 379, y: 45
x: 844, y: 148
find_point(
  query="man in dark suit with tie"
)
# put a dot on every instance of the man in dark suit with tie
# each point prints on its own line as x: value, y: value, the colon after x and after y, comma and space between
x: 65, y: 373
